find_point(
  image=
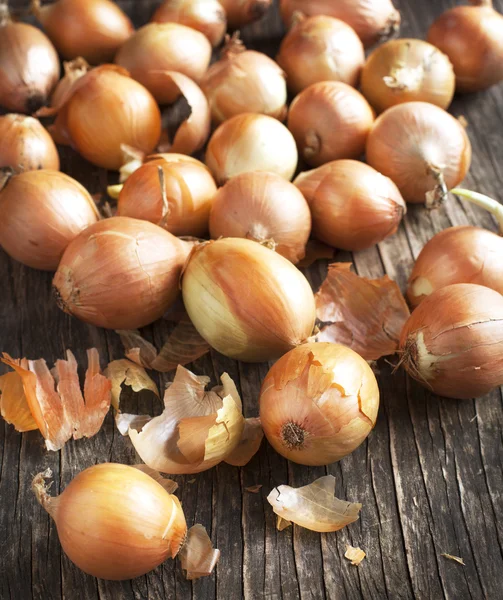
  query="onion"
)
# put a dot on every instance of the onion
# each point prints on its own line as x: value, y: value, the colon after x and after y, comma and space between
x: 42, y: 212
x: 373, y: 20
x: 26, y: 145
x: 407, y: 70
x: 244, y: 81
x: 91, y: 29
x: 183, y: 208
x: 472, y: 38
x: 330, y: 120
x: 251, y: 142
x: 29, y: 65
x: 423, y: 149
x: 263, y: 207
x: 452, y: 341
x: 120, y: 273
x: 246, y: 301
x: 318, y: 403
x: 320, y: 48
x: 353, y: 206
x: 207, y: 16
x: 242, y: 12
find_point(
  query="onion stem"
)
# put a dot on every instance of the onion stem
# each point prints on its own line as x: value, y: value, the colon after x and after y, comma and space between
x: 493, y: 206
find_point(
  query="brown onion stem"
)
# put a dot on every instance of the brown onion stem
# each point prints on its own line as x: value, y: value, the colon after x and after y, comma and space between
x: 493, y: 206
x: 40, y: 489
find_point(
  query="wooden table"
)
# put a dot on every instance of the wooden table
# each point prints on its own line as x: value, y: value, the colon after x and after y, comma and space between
x: 429, y: 476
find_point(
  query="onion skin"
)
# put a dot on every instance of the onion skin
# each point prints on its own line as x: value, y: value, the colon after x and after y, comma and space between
x: 263, y: 206
x: 26, y: 144
x: 318, y: 403
x: 242, y: 12
x: 409, y: 139
x: 407, y: 70
x: 352, y: 205
x: 120, y: 273
x: 452, y: 342
x: 246, y: 301
x: 349, y: 114
x: 320, y: 48
x: 42, y: 212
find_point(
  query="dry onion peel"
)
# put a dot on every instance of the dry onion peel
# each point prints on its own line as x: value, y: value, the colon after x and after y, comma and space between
x: 316, y: 250
x: 13, y: 404
x: 197, y: 556
x: 355, y: 555
x: 124, y: 372
x: 248, y: 444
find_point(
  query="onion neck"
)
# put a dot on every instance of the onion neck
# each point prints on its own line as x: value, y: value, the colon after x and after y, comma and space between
x: 233, y: 46
x: 40, y: 489
x: 493, y: 206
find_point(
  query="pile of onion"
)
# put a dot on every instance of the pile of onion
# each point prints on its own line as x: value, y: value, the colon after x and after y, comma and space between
x: 242, y: 12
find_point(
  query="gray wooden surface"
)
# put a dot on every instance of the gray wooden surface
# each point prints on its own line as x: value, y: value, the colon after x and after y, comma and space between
x: 429, y: 477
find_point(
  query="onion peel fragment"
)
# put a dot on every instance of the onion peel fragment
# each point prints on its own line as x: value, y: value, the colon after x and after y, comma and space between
x: 13, y: 404
x: 248, y: 444
x: 197, y: 556
x: 316, y: 250
x: 355, y: 555
x: 125, y: 372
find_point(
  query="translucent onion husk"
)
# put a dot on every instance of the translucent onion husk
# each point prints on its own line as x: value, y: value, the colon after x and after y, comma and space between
x: 42, y: 212
x: 244, y: 81
x: 263, y: 207
x: 423, y: 149
x: 91, y: 29
x: 246, y: 301
x: 407, y: 70
x: 120, y: 273
x: 352, y: 205
x: 26, y: 144
x: 242, y: 12
x: 320, y: 48
x: 318, y: 403
x: 189, y: 189
x: 338, y: 104
x: 452, y: 341
x: 207, y: 16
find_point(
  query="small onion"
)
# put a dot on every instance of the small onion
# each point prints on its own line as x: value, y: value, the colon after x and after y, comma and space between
x: 242, y: 12
x: 330, y: 120
x: 452, y: 341
x: 318, y: 403
x: 407, y: 70
x: 251, y: 142
x: 423, y: 149
x: 42, y: 212
x: 263, y: 207
x: 91, y: 29
x: 26, y: 145
x: 320, y: 48
x: 207, y: 16
x: 244, y: 81
x: 120, y: 273
x: 353, y: 206
x: 246, y: 301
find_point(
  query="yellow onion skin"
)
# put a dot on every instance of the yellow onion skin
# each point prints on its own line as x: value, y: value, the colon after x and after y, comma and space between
x: 120, y: 273
x: 409, y: 141
x: 463, y: 254
x: 190, y: 190
x: 42, y: 212
x: 330, y: 120
x: 320, y: 48
x: 247, y: 301
x: 472, y: 38
x: 26, y: 145
x: 452, y: 342
x: 263, y: 206
x: 318, y: 403
x: 242, y: 12
x: 115, y: 522
x: 407, y: 70
x: 91, y: 29
x: 352, y: 205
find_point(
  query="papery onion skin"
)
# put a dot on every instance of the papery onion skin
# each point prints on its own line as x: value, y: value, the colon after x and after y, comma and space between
x: 120, y: 273
x: 330, y: 120
x: 251, y: 142
x: 353, y: 206
x: 318, y: 403
x: 463, y: 254
x: 242, y: 12
x: 115, y: 522
x: 92, y: 29
x: 453, y: 341
x: 263, y: 206
x: 42, y: 212
x: 246, y: 301
x: 409, y: 140
x: 26, y: 145
x: 320, y: 48
x: 407, y: 70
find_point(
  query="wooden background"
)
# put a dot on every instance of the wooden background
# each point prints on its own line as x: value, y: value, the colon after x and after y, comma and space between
x: 429, y: 476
